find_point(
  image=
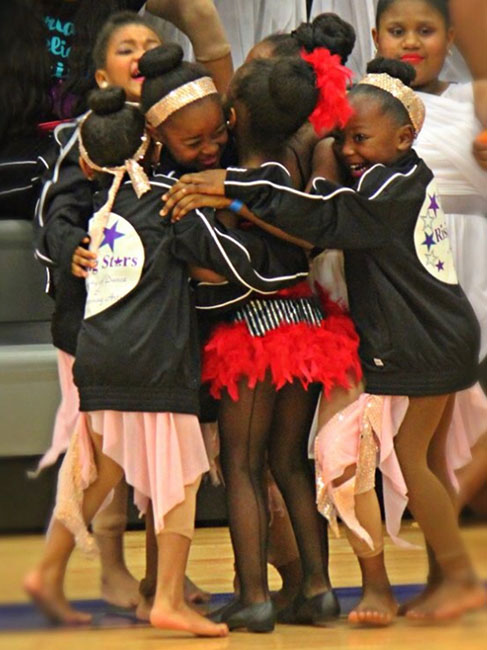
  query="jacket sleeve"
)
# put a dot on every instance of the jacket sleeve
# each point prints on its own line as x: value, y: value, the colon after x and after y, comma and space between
x: 252, y: 259
x: 332, y: 216
x: 65, y: 204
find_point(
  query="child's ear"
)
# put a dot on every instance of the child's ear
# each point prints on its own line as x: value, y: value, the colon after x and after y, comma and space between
x: 375, y: 38
x: 101, y: 78
x: 405, y: 137
x: 231, y: 118
x: 86, y: 169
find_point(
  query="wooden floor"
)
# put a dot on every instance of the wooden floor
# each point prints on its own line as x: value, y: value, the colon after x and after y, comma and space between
x: 211, y: 566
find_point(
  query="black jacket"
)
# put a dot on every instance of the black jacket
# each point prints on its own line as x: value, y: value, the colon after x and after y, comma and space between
x: 61, y: 222
x: 418, y: 332
x: 138, y: 346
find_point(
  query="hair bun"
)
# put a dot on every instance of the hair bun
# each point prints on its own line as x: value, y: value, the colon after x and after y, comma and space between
x: 161, y: 59
x: 394, y: 68
x: 107, y: 100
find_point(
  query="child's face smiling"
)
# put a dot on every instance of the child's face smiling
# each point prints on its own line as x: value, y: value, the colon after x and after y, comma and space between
x: 415, y: 32
x: 370, y: 136
x: 196, y: 134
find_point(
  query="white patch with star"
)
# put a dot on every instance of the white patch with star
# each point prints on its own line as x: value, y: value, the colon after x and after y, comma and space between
x: 119, y: 265
x: 431, y: 239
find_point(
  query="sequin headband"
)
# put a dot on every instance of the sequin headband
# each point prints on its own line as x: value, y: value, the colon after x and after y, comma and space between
x: 179, y: 97
x: 408, y: 98
x: 137, y: 175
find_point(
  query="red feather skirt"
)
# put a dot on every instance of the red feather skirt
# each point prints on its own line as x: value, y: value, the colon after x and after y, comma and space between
x: 324, y: 352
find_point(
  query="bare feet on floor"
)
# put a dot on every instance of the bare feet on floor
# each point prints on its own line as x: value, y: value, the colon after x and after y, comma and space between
x: 431, y: 587
x: 49, y: 597
x: 376, y: 607
x: 185, y: 619
x: 120, y: 588
x: 449, y: 600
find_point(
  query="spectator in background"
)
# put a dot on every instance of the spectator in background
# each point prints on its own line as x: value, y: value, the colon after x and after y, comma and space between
x: 25, y: 83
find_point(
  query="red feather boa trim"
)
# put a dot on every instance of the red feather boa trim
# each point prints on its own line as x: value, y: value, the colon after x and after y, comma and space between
x: 332, y: 80
x: 326, y: 354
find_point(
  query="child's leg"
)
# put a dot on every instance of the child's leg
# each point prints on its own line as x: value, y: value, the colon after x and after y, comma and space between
x: 431, y: 505
x: 45, y: 584
x: 118, y: 586
x: 170, y: 610
x: 244, y: 427
x: 377, y: 605
x: 289, y: 465
x: 147, y: 587
x: 283, y: 552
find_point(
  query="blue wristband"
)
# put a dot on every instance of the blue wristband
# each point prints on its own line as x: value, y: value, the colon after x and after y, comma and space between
x: 235, y: 205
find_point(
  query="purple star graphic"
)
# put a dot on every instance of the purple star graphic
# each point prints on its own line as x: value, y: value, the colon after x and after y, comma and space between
x: 429, y: 241
x: 440, y: 266
x: 433, y: 204
x: 118, y: 261
x: 110, y: 235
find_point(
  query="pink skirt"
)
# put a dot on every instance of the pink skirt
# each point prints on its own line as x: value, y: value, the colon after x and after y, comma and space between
x: 67, y: 413
x: 363, y: 435
x: 160, y: 453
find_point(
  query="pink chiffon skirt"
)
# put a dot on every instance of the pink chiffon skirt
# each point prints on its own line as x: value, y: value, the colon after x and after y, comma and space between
x: 67, y: 413
x: 363, y: 434
x: 160, y: 453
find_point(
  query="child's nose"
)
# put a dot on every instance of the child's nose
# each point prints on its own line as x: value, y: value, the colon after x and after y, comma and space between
x: 347, y: 148
x: 410, y: 39
x: 210, y: 148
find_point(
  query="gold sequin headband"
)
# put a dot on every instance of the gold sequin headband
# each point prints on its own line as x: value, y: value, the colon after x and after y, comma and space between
x: 179, y: 97
x: 137, y: 175
x: 408, y: 98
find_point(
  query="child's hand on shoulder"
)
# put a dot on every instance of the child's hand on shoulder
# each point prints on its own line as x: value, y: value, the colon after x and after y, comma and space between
x: 203, y: 189
x: 480, y: 149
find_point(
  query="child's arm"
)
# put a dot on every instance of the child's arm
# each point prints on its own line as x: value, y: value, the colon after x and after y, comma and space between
x: 251, y: 259
x: 65, y: 204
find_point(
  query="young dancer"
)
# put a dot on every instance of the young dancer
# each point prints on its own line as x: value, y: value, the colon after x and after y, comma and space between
x: 419, y: 335
x: 139, y: 389
x: 264, y: 360
x: 65, y: 205
x: 420, y: 32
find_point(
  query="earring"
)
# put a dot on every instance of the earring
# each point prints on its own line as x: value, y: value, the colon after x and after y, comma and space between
x: 104, y: 84
x: 156, y: 154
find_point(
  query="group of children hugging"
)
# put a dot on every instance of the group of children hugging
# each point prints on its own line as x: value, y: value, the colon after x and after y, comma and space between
x: 285, y: 248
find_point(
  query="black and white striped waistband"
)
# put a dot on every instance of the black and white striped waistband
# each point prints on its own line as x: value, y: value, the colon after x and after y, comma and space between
x: 262, y: 316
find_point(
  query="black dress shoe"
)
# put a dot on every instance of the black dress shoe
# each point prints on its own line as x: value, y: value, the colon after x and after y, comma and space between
x: 258, y: 617
x: 317, y: 610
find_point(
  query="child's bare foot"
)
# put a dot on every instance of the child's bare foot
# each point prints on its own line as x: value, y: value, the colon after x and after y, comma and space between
x: 50, y: 599
x: 185, y: 619
x: 449, y: 600
x: 193, y: 594
x: 431, y: 587
x: 376, y: 607
x: 120, y: 588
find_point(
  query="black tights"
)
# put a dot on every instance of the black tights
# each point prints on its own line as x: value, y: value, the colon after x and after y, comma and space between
x: 268, y: 425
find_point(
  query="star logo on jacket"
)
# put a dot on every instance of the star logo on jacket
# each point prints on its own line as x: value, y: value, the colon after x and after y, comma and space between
x: 110, y: 235
x: 431, y: 240
x: 116, y: 273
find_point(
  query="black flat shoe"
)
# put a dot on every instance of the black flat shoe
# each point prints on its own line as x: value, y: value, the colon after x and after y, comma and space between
x: 258, y: 617
x: 317, y: 610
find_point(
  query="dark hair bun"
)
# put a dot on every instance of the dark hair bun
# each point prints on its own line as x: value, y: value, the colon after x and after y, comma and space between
x: 398, y: 69
x: 160, y: 60
x: 107, y: 100
x: 327, y: 30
